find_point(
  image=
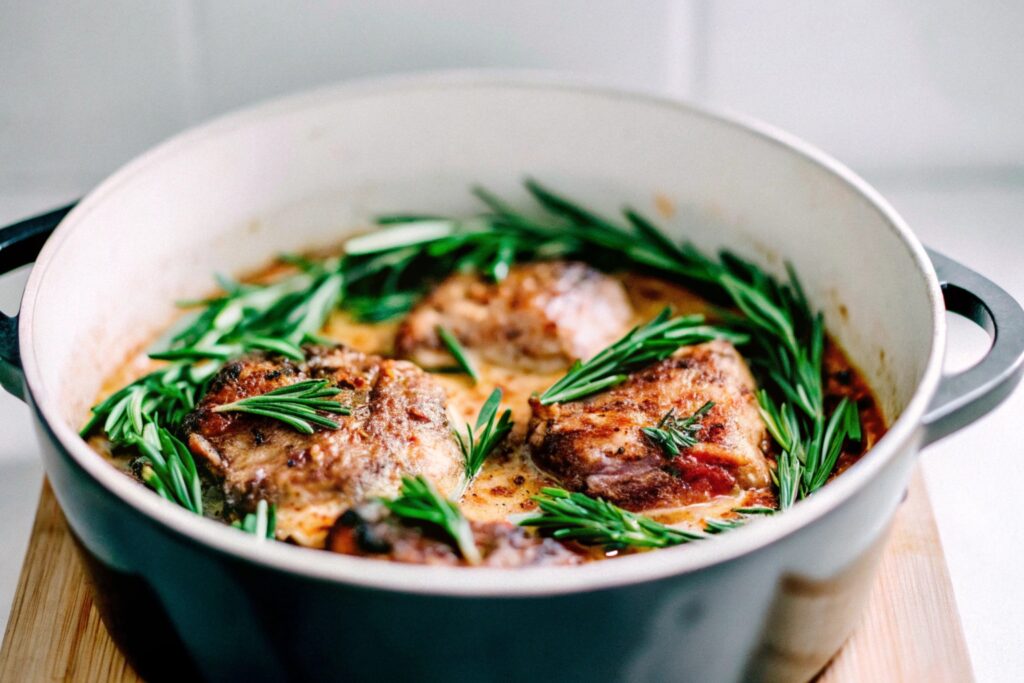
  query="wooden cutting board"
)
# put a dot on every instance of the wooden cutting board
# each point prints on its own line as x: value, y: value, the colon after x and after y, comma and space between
x: 910, y: 631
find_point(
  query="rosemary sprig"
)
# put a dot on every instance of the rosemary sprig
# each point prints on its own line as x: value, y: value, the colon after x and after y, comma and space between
x: 295, y: 404
x: 168, y: 468
x: 481, y: 439
x: 419, y: 502
x: 674, y: 434
x: 787, y: 349
x: 457, y: 352
x: 224, y: 351
x: 261, y: 523
x: 592, y: 521
x: 164, y: 396
x: 287, y: 309
x: 275, y: 317
x: 398, y: 262
x: 648, y: 343
x: 717, y: 526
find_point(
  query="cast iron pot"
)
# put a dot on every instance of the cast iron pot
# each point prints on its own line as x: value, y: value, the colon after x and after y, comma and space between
x: 186, y: 596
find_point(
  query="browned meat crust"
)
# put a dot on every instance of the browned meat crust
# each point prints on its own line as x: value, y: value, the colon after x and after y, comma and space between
x: 399, y: 425
x: 370, y: 531
x: 596, y: 445
x: 541, y: 317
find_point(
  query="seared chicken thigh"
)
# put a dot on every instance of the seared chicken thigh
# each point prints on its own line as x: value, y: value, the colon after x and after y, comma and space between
x: 597, y: 446
x: 540, y: 318
x: 371, y: 531
x: 398, y: 425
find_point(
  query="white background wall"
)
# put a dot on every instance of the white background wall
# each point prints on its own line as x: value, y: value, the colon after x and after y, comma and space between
x: 925, y: 98
x: 882, y: 85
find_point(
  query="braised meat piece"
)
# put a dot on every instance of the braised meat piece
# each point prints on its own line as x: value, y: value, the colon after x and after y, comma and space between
x: 597, y: 446
x: 370, y: 530
x: 540, y: 318
x: 398, y: 425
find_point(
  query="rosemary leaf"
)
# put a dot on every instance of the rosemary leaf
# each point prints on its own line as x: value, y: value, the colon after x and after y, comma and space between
x: 592, y: 521
x: 674, y: 434
x: 406, y: 233
x: 371, y: 309
x: 168, y: 467
x: 717, y: 526
x: 480, y: 440
x: 458, y: 353
x: 419, y: 502
x: 261, y: 523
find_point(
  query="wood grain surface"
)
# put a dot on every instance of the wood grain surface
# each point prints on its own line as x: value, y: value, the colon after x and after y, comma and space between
x: 910, y: 631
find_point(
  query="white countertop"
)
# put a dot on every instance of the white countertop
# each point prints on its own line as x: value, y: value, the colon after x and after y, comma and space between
x: 969, y: 475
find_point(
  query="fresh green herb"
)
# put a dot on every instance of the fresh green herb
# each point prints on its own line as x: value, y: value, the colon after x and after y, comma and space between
x: 286, y: 310
x: 261, y: 523
x: 168, y: 468
x: 372, y: 309
x: 649, y: 343
x: 385, y: 272
x: 295, y: 404
x: 481, y: 439
x: 755, y: 510
x: 786, y: 337
x: 419, y: 502
x: 717, y: 526
x: 592, y: 521
x: 674, y: 434
x: 276, y: 317
x: 222, y: 352
x: 407, y: 231
x: 163, y: 397
x: 397, y: 263
x: 458, y: 353
x: 787, y: 348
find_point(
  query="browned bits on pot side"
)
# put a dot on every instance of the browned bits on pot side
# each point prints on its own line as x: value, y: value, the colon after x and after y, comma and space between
x: 842, y: 380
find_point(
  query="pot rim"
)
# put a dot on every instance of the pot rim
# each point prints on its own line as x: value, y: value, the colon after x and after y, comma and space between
x: 376, y: 574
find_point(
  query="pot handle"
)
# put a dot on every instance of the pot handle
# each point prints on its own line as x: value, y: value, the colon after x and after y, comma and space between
x: 20, y: 244
x: 966, y: 396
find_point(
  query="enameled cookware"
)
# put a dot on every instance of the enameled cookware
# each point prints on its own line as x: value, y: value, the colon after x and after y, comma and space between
x: 189, y: 597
